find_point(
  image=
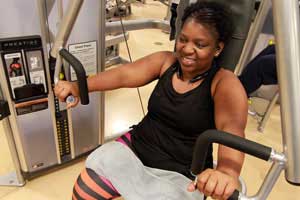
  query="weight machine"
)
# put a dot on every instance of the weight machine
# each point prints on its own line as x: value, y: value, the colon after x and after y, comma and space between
x: 41, y: 133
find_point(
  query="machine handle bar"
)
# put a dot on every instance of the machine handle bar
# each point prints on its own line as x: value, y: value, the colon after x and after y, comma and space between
x: 214, y: 136
x: 80, y: 73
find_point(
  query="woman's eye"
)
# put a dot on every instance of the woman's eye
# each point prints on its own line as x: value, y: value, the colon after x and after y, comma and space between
x: 181, y: 39
x: 200, y: 45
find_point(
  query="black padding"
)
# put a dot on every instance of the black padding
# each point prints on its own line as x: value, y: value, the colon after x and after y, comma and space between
x: 235, y: 195
x: 243, y: 12
x: 80, y: 74
x: 29, y: 91
x: 4, y: 109
x: 214, y: 136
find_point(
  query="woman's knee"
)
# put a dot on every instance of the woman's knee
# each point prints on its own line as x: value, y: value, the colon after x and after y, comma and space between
x: 99, y: 159
x: 103, y: 155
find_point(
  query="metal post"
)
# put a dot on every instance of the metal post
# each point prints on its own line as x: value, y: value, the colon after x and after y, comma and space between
x: 287, y: 29
x: 66, y: 26
x: 60, y: 10
x: 168, y: 15
x: 14, y: 178
x: 136, y: 24
x: 253, y: 34
x: 267, y: 114
x: 46, y: 36
x: 101, y: 65
x: 268, y: 183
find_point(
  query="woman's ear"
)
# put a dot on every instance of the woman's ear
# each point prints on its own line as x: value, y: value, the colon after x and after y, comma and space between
x: 219, y: 49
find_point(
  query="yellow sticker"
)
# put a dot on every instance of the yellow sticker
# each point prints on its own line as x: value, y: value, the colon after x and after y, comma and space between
x: 61, y: 76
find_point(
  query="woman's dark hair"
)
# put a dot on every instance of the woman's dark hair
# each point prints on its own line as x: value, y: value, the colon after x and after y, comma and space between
x: 212, y: 15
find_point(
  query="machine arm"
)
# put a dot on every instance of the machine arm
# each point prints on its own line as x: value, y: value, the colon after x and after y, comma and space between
x: 80, y: 74
x: 214, y: 136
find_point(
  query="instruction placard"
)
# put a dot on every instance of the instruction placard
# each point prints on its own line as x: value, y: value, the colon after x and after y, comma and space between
x: 15, y: 70
x: 86, y: 53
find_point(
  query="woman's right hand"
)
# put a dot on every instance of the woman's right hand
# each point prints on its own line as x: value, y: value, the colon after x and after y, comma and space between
x: 63, y: 89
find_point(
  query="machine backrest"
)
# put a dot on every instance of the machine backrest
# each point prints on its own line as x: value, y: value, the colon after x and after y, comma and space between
x: 243, y: 12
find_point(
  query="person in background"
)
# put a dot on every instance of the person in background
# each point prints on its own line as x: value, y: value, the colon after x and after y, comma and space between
x: 173, y: 9
x: 260, y: 71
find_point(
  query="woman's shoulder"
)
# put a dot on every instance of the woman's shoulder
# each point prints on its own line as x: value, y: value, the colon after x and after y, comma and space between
x: 223, y: 74
x: 164, y: 54
x: 169, y: 59
x: 224, y: 77
x: 167, y: 56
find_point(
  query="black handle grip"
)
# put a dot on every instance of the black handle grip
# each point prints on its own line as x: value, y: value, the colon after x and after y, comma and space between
x: 4, y: 109
x: 214, y: 136
x: 80, y: 73
x: 235, y: 195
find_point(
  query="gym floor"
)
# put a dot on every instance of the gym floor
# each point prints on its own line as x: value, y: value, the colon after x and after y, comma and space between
x: 57, y: 184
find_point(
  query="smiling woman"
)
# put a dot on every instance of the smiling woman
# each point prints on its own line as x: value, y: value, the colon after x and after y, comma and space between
x: 195, y: 50
x: 196, y: 43
x: 164, y: 139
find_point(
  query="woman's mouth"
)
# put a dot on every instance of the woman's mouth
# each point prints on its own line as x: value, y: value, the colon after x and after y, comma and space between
x: 188, y: 61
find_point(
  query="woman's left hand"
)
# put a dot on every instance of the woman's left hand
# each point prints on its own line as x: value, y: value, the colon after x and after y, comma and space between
x: 216, y: 184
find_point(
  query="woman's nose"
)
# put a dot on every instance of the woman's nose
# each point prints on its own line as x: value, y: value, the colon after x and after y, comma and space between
x: 188, y: 48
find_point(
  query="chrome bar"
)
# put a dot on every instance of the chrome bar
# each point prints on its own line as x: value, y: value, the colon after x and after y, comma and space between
x: 168, y: 15
x: 113, y: 40
x: 277, y: 157
x: 15, y: 179
x: 253, y: 34
x: 46, y: 37
x: 287, y: 29
x: 66, y: 26
x: 267, y: 114
x: 101, y: 65
x: 60, y: 10
x: 268, y: 183
x: 44, y: 8
x: 41, y: 6
x: 131, y: 25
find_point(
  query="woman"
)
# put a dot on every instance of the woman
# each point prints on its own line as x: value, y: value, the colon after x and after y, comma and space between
x: 193, y: 94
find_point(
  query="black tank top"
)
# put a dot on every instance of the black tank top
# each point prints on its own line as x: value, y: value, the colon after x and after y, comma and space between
x: 165, y: 138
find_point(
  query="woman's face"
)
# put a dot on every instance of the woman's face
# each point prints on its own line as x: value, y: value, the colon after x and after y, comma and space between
x: 196, y: 47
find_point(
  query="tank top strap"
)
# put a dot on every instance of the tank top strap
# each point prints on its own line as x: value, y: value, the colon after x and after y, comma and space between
x: 171, y: 70
x: 214, y: 69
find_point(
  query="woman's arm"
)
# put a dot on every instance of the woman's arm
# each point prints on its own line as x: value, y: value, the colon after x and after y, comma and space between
x: 230, y: 102
x: 129, y: 75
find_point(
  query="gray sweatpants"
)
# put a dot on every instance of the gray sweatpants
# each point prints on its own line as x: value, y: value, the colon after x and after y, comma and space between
x: 133, y: 180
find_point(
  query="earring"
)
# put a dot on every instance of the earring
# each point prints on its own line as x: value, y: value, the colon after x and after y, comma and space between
x: 218, y: 50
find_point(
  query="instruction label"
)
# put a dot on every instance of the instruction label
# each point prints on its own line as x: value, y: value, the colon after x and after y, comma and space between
x: 86, y: 53
x: 15, y: 70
